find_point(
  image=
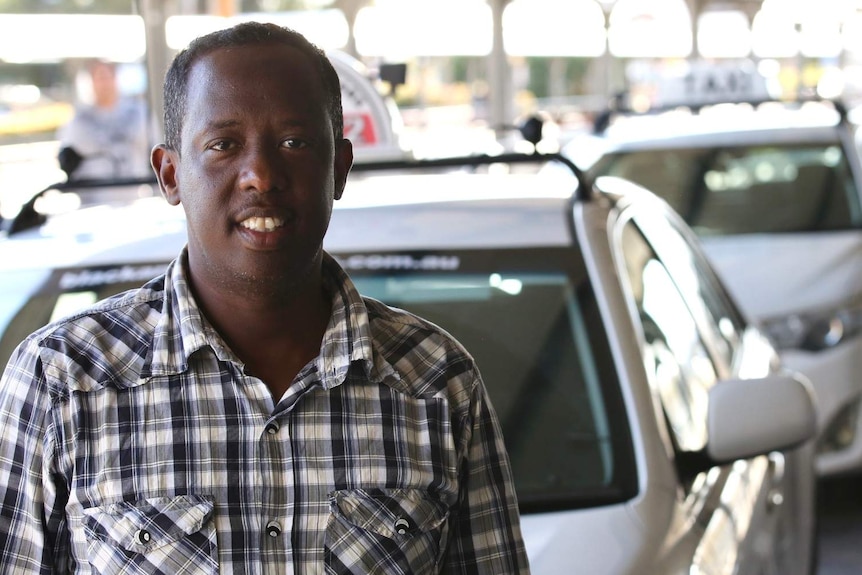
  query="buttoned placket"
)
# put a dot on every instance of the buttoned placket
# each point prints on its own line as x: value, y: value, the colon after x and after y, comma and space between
x: 276, y: 521
x: 269, y: 503
x: 276, y: 462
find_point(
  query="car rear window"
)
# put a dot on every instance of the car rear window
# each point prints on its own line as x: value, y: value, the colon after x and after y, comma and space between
x: 531, y: 321
x: 529, y: 318
x: 729, y: 190
x: 30, y: 299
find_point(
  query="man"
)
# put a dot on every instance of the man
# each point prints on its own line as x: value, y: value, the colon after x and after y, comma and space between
x: 249, y: 412
x: 108, y: 137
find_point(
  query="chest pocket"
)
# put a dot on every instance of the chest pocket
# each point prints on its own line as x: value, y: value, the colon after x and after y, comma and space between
x: 392, y: 531
x: 159, y: 535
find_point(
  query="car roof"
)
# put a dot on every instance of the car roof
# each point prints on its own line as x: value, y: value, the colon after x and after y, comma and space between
x: 377, y: 212
x: 710, y: 131
x: 440, y: 211
x: 725, y: 117
x: 721, y: 125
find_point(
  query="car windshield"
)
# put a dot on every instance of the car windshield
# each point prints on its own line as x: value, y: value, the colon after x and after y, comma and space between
x: 529, y: 318
x: 776, y: 188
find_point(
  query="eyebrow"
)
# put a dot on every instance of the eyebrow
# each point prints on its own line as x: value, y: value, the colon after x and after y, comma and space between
x: 230, y: 123
x: 218, y: 125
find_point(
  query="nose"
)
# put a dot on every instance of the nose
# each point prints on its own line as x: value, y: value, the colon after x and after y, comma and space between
x: 262, y: 169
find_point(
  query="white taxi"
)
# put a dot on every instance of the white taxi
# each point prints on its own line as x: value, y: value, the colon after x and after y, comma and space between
x: 774, y: 191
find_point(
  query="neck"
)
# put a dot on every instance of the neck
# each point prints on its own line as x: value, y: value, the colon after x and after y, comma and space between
x: 274, y: 335
x: 106, y: 101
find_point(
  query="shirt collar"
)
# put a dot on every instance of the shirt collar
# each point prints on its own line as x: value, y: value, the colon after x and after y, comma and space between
x: 182, y: 329
x: 348, y: 338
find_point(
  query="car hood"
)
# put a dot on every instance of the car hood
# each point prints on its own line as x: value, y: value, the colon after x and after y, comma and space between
x: 780, y: 274
x: 144, y: 230
x: 604, y: 540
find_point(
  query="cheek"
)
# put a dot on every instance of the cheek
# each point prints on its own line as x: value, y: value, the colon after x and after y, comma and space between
x: 199, y: 187
x: 201, y: 210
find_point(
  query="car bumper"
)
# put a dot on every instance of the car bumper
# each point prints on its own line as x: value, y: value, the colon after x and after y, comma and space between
x: 836, y: 375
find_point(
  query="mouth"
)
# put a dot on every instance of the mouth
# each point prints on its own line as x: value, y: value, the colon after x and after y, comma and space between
x: 262, y: 224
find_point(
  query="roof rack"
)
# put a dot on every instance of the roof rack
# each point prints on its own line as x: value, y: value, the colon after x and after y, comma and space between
x: 470, y: 161
x: 530, y: 129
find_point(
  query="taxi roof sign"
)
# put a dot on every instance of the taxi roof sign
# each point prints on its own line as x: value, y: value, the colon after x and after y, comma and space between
x: 705, y: 83
x: 372, y: 122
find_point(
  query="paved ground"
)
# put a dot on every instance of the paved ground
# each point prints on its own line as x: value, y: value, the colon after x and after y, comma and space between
x: 840, y: 539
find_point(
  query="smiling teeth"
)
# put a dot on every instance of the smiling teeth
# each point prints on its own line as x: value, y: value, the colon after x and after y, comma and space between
x: 262, y: 224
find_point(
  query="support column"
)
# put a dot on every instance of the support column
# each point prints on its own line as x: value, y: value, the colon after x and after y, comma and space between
x: 501, y: 94
x: 155, y: 13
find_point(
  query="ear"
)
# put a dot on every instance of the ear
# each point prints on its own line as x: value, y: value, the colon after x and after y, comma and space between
x: 343, y: 163
x: 165, y: 163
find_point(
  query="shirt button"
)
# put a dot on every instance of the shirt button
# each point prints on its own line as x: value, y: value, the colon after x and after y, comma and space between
x: 273, y: 529
x: 402, y: 526
x: 142, y: 536
x: 272, y: 427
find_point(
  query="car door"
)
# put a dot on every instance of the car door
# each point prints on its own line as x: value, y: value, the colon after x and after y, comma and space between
x: 693, y: 337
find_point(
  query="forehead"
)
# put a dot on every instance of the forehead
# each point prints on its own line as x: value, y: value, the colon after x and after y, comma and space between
x: 254, y: 85
x: 237, y: 66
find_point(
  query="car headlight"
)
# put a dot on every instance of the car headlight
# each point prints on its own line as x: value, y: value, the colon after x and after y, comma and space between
x: 814, y: 331
x: 841, y: 431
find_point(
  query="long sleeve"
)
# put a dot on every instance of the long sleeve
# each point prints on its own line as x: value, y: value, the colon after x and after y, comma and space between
x: 486, y: 537
x: 31, y: 515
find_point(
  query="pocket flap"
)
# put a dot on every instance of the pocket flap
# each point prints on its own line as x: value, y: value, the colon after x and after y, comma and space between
x: 390, y: 512
x: 140, y: 526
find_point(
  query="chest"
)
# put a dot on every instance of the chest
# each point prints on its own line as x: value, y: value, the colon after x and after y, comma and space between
x: 224, y: 438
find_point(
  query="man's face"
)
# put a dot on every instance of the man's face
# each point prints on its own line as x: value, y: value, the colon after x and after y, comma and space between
x: 258, y: 169
x: 105, y: 89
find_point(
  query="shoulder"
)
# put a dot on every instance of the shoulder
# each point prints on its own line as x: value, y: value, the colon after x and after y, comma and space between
x: 395, y: 323
x: 108, y: 343
x: 429, y: 359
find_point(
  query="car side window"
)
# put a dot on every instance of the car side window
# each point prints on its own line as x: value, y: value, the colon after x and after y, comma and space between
x: 677, y: 361
x: 722, y: 323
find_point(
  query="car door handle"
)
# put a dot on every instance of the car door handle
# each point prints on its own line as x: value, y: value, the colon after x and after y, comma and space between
x: 775, y: 495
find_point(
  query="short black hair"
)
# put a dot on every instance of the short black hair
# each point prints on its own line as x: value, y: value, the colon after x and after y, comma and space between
x: 244, y: 34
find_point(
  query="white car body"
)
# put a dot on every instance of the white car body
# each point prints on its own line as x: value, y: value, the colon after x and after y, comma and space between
x: 454, y: 242
x: 798, y: 277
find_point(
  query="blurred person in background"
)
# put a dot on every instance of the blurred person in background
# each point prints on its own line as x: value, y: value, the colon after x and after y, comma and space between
x: 108, y: 137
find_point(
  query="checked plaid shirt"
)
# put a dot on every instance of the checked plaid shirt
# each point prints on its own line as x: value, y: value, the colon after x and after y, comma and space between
x: 132, y: 441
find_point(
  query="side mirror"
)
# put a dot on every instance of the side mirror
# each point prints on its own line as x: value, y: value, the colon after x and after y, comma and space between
x: 750, y: 417
x: 393, y: 74
x: 531, y: 130
x: 69, y: 160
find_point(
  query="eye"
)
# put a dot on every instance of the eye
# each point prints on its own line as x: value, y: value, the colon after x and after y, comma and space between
x: 221, y: 145
x: 294, y: 143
